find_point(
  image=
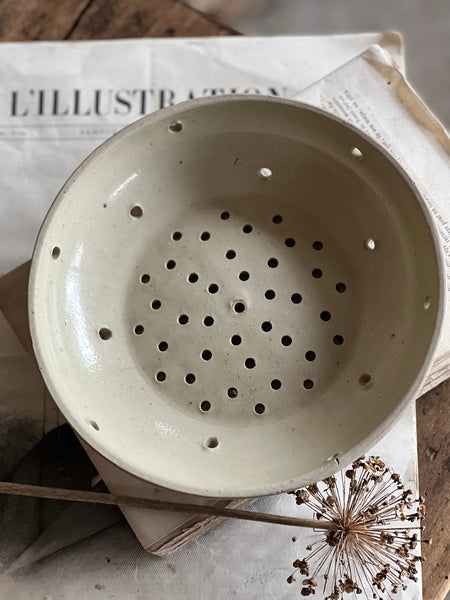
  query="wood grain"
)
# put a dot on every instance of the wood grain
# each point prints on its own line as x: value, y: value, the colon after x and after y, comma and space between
x: 104, y: 19
x: 433, y: 418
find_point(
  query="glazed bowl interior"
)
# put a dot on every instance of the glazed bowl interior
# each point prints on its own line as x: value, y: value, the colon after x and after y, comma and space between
x: 231, y: 294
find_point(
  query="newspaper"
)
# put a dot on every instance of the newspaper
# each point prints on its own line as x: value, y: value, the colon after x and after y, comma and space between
x: 237, y: 558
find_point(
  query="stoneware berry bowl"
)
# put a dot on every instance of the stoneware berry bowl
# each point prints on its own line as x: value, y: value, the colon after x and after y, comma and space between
x: 232, y: 295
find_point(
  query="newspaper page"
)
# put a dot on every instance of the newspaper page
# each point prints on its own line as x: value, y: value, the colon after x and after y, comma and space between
x: 242, y: 560
x: 371, y: 93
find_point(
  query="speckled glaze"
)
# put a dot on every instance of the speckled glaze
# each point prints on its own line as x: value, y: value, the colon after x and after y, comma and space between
x: 233, y: 295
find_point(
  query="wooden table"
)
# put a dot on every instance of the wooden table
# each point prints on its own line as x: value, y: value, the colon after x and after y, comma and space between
x: 103, y: 19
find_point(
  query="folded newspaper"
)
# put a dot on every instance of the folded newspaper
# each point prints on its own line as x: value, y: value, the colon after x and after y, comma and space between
x: 52, y: 117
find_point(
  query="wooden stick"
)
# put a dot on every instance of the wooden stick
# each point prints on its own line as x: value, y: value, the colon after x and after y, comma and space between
x: 36, y: 491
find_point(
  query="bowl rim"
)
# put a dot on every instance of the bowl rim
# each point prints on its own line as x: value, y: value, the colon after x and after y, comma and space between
x: 334, y: 463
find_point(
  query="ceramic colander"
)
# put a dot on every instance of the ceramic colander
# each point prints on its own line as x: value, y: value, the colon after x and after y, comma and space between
x: 232, y: 294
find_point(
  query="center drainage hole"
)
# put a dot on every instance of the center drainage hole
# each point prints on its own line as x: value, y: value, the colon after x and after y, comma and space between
x: 296, y: 298
x: 205, y: 236
x: 250, y: 363
x: 160, y: 376
x: 317, y: 273
x: 239, y: 307
x: 244, y: 275
x: 212, y: 442
x: 290, y: 242
x: 266, y: 326
x: 325, y: 315
x: 341, y: 287
x: 232, y: 392
x: 236, y: 340
x: 139, y: 329
x: 213, y: 288
x: 156, y: 304
x: 205, y: 406
x: 230, y: 254
x: 162, y: 346
x: 364, y: 380
x: 259, y: 409
x: 308, y: 384
x: 136, y: 212
x: 272, y: 262
x: 269, y: 294
x: 208, y: 321
x: 310, y: 355
x: 105, y: 333
x: 170, y: 264
x: 247, y: 228
x: 225, y: 215
x: 190, y: 378
x: 192, y: 277
x: 145, y: 278
x: 183, y: 319
x: 206, y: 354
x: 277, y: 219
x: 275, y: 384
x: 338, y: 340
x: 177, y: 235
x: 286, y: 340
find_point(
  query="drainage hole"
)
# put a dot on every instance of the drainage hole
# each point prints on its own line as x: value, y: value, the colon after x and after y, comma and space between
x: 225, y: 215
x: 145, y: 278
x: 236, y: 340
x: 325, y: 315
x: 364, y: 379
x: 277, y: 219
x: 232, y: 392
x: 259, y: 409
x: 427, y: 303
x: 290, y: 242
x: 266, y: 326
x: 338, y: 340
x: 156, y: 304
x: 205, y: 236
x: 286, y: 340
x: 212, y: 442
x: 275, y: 384
x: 230, y: 254
x: 162, y: 346
x: 208, y: 321
x: 170, y: 264
x: 341, y: 287
x: 308, y: 384
x: 206, y: 354
x: 94, y: 425
x: 160, y: 376
x: 310, y: 355
x: 296, y: 298
x: 356, y: 153
x: 250, y: 363
x: 175, y: 127
x: 205, y: 406
x: 369, y: 244
x: 239, y: 307
x: 317, y: 273
x: 139, y: 329
x: 213, y: 288
x: 244, y: 275
x: 183, y: 319
x: 272, y: 262
x: 177, y: 235
x: 56, y: 252
x: 190, y: 378
x: 269, y: 294
x: 264, y: 173
x: 247, y: 228
x: 105, y: 333
x: 317, y: 245
x: 192, y: 277
x: 136, y: 212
